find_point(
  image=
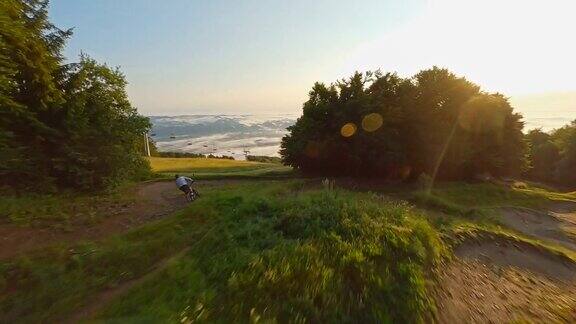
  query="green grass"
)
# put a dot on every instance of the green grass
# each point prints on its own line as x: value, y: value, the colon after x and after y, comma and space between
x: 463, y: 210
x: 207, y: 168
x: 264, y: 250
x: 463, y: 198
x: 280, y: 256
x: 271, y: 251
x: 63, y: 210
x: 49, y: 284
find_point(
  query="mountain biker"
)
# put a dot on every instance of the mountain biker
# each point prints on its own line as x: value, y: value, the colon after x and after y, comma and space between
x: 183, y: 183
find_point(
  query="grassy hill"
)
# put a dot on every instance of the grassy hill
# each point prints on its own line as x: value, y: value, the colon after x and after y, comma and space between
x: 259, y: 249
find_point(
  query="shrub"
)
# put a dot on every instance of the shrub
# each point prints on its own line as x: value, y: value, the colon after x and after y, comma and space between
x: 339, y: 258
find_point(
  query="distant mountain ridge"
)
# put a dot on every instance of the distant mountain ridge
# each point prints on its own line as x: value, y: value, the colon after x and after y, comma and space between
x: 221, y: 134
x: 206, y: 125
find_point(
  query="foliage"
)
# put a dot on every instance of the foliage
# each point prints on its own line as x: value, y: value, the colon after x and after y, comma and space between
x: 382, y: 125
x: 250, y: 249
x: 565, y: 138
x: 261, y: 250
x: 263, y: 159
x: 179, y: 155
x: 315, y: 144
x: 553, y: 155
x: 60, y: 125
x: 154, y: 152
x: 543, y: 155
x: 315, y: 257
x: 47, y: 286
x: 30, y: 64
x: 224, y: 157
x: 104, y: 130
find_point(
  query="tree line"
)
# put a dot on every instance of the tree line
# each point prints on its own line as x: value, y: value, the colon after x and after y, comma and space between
x: 61, y: 125
x: 553, y: 155
x: 434, y: 123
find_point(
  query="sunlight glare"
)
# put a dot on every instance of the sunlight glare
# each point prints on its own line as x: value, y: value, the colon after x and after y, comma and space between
x: 512, y: 46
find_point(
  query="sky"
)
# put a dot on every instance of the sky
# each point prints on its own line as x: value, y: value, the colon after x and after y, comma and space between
x: 249, y: 56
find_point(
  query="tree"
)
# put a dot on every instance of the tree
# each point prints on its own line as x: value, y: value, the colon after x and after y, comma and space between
x: 67, y: 125
x: 103, y: 132
x: 494, y: 136
x: 565, y: 138
x: 334, y: 136
x: 431, y: 122
x: 544, y: 154
x: 30, y: 61
x: 380, y: 124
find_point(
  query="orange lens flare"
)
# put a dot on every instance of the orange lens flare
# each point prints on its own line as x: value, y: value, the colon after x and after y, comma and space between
x: 372, y: 122
x: 348, y: 130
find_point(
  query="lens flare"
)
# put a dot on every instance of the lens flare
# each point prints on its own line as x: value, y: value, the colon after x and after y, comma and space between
x: 348, y: 130
x: 483, y: 114
x: 372, y: 122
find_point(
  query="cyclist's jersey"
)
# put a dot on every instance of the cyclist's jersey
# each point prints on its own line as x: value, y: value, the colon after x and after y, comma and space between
x: 183, y: 181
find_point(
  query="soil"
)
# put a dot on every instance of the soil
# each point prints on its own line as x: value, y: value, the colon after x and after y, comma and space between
x: 154, y: 201
x: 552, y: 226
x: 503, y: 281
x: 476, y: 291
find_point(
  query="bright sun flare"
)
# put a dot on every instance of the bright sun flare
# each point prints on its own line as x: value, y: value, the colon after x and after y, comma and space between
x: 511, y: 46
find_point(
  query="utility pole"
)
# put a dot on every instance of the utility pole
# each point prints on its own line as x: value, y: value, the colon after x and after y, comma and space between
x: 146, y: 145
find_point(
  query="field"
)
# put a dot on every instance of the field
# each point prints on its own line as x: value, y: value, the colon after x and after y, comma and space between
x: 281, y: 249
x: 208, y: 168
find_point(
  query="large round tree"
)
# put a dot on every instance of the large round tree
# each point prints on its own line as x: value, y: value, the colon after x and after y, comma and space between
x: 382, y: 125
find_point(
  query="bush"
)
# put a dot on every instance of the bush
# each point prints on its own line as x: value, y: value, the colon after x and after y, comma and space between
x: 264, y: 159
x: 342, y: 259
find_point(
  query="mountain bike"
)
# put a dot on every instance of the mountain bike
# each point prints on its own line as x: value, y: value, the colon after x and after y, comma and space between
x: 192, y: 195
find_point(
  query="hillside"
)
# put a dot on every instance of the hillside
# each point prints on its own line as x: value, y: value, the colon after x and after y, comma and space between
x: 411, y: 192
x: 282, y: 249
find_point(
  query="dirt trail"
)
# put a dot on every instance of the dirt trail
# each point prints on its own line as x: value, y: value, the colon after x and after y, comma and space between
x: 154, y: 201
x: 556, y: 226
x: 501, y: 281
x: 476, y: 292
x: 100, y: 300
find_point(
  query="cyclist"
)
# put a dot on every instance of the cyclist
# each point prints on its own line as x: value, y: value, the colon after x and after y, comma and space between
x: 183, y: 183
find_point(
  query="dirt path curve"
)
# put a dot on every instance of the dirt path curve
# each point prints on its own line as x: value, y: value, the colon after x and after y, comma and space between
x: 100, y: 300
x: 154, y: 200
x: 557, y: 225
x: 498, y: 280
